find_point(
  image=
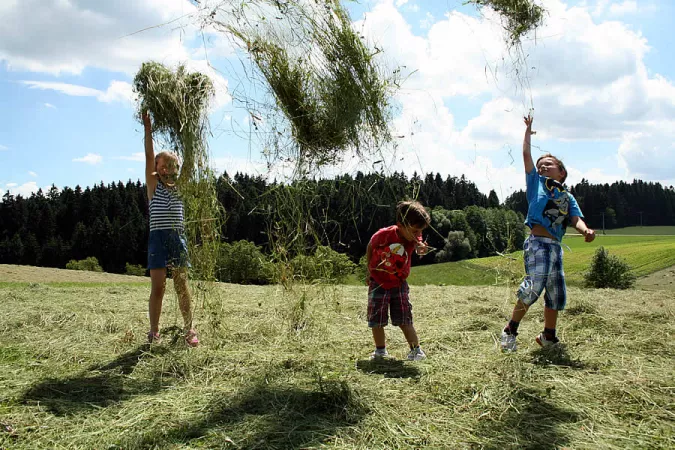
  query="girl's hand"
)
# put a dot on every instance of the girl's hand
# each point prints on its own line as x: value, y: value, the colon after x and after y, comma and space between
x: 146, y: 121
x: 528, y: 122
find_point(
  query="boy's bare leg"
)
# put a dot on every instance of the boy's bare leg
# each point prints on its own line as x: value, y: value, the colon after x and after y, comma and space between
x: 519, y: 311
x: 183, y: 292
x: 158, y: 283
x: 550, y: 318
x: 410, y: 335
x: 378, y: 336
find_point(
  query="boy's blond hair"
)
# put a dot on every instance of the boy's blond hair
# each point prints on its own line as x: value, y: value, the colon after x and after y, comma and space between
x: 167, y: 155
x: 412, y: 213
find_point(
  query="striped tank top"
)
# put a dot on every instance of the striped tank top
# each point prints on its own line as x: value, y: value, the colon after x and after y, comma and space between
x: 166, y: 210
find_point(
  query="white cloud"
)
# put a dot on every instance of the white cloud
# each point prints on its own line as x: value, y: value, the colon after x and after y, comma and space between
x: 138, y: 157
x: 49, y: 105
x: 32, y: 174
x: 620, y: 9
x: 90, y: 158
x: 400, y: 3
x: 117, y: 91
x: 586, y: 80
x: 649, y: 153
x: 25, y: 190
x: 2, y: 148
x: 75, y: 34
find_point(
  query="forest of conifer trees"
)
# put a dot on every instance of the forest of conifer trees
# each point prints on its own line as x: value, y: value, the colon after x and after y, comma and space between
x: 109, y: 222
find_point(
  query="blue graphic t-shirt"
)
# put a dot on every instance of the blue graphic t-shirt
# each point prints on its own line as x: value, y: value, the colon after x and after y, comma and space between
x: 549, y: 204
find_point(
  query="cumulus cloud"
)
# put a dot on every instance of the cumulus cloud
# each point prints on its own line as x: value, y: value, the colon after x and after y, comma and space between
x: 113, y: 36
x: 75, y: 34
x: 138, y: 157
x: 25, y: 189
x: 117, y: 91
x: 90, y: 158
x: 626, y: 7
x: 584, y: 79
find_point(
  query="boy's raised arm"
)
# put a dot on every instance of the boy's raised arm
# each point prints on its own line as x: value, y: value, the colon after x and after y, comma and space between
x: 527, y: 146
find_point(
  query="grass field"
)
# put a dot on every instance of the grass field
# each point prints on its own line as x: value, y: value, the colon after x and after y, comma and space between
x: 645, y: 255
x: 281, y: 369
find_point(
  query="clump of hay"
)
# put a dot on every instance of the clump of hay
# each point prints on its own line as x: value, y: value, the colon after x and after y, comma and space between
x: 322, y: 76
x: 177, y: 101
x: 519, y: 16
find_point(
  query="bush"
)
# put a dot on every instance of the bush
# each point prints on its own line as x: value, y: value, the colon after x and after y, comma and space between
x: 244, y: 263
x: 608, y: 271
x: 456, y: 247
x: 91, y: 264
x: 326, y: 264
x: 134, y: 269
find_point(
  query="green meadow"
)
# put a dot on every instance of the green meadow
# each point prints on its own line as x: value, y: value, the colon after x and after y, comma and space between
x: 289, y: 368
x: 646, y: 254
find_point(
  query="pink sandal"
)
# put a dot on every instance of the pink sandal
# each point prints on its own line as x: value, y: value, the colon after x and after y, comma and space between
x: 191, y: 338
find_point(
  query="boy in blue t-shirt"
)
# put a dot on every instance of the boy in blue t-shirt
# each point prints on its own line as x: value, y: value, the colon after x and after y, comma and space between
x: 550, y: 209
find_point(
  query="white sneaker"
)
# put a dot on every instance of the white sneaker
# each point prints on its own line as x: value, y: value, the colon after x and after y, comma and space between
x: 379, y: 354
x: 416, y: 354
x: 541, y: 340
x: 508, y: 342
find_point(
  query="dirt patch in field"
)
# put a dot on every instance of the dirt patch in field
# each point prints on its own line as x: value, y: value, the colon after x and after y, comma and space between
x: 662, y: 280
x: 30, y: 274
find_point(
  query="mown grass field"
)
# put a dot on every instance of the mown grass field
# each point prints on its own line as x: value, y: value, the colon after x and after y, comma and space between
x: 289, y: 369
x: 645, y: 254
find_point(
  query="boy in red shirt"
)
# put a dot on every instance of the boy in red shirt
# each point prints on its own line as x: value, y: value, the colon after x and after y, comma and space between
x: 388, y: 256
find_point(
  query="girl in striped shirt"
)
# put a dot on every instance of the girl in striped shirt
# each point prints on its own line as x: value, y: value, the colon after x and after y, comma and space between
x: 167, y: 244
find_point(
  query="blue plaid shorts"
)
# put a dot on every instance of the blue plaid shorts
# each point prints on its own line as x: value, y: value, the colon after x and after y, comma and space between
x: 543, y: 259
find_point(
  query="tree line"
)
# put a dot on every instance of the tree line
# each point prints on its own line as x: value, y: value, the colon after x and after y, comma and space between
x: 110, y: 222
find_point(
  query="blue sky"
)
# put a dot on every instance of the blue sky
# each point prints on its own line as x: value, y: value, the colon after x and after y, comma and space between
x: 598, y: 76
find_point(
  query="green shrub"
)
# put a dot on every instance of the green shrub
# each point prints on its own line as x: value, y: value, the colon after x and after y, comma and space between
x: 326, y: 264
x: 362, y: 269
x: 134, y: 269
x: 608, y: 271
x: 244, y: 263
x: 91, y: 264
x: 456, y: 247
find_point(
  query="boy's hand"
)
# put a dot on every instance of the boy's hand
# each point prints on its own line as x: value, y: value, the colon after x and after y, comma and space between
x: 528, y: 122
x: 589, y: 235
x: 422, y: 248
x: 146, y: 121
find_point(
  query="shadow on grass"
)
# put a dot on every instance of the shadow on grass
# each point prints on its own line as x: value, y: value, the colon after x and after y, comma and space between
x: 97, y: 386
x: 557, y: 355
x: 389, y: 367
x: 265, y: 416
x: 531, y: 422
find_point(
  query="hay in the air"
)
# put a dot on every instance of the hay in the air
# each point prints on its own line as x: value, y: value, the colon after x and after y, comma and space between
x: 323, y: 78
x: 519, y: 16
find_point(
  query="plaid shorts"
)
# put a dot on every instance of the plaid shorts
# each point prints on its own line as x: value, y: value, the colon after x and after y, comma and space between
x: 544, y: 269
x: 381, y: 300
